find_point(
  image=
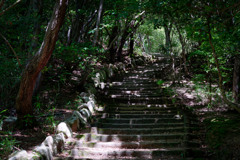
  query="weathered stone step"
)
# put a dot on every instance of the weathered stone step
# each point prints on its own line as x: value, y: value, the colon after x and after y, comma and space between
x: 152, y: 100
x: 119, y: 83
x: 143, y: 109
x: 162, y: 106
x: 140, y: 130
x: 137, y: 125
x: 150, y: 88
x: 110, y: 110
x: 118, y: 116
x: 140, y: 120
x: 134, y: 95
x: 138, y: 145
x: 133, y: 137
x: 161, y: 153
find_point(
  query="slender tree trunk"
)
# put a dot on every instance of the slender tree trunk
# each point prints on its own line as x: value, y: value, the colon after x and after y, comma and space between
x: 236, y: 78
x: 77, y: 22
x: 149, y: 44
x: 235, y: 106
x: 167, y: 30
x: 98, y: 22
x: 111, y: 44
x: 183, y: 53
x: 131, y: 44
x: 33, y: 68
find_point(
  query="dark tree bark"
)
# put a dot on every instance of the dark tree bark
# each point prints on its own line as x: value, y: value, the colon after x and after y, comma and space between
x: 98, y: 22
x: 183, y: 53
x: 74, y: 30
x: 130, y: 27
x: 131, y: 44
x: 167, y: 30
x: 38, y: 61
x: 111, y: 44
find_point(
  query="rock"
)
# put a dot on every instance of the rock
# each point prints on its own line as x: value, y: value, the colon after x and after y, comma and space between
x: 96, y: 79
x: 85, y: 113
x: 73, y: 122
x: 59, y: 141
x: 19, y: 155
x: 44, y: 151
x: 82, y: 119
x: 91, y: 106
x: 49, y: 142
x: 64, y: 128
x: 102, y: 85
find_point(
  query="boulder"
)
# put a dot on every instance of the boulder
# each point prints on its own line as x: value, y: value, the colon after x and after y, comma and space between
x: 64, y: 128
x: 44, y: 151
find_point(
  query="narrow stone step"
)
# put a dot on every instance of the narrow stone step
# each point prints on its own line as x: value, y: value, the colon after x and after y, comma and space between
x: 138, y: 125
x: 162, y: 106
x: 161, y: 153
x: 140, y: 120
x: 139, y: 130
x: 143, y: 109
x: 118, y: 116
x: 138, y: 145
x: 133, y: 137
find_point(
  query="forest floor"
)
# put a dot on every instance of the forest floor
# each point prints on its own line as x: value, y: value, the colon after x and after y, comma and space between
x: 222, y: 125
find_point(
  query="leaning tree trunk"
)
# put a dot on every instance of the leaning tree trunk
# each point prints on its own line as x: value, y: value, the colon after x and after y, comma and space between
x: 98, y: 22
x: 33, y: 68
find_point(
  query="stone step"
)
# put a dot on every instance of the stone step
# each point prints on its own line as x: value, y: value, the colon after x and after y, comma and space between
x: 138, y: 145
x: 140, y: 120
x: 116, y: 111
x: 133, y: 137
x: 139, y: 130
x: 161, y: 153
x: 162, y: 106
x: 143, y: 109
x: 152, y: 100
x: 134, y: 96
x: 136, y: 125
x: 118, y: 116
x: 132, y: 88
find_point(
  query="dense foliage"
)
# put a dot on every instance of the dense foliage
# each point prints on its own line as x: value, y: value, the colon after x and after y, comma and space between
x: 204, y: 35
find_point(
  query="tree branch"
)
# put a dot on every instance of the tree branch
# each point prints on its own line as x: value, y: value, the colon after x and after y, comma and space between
x: 9, y: 45
x: 14, y: 4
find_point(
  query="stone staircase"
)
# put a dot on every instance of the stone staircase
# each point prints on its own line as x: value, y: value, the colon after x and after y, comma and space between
x: 140, y: 121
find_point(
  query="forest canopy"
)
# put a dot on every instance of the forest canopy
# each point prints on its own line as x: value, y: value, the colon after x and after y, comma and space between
x: 39, y: 38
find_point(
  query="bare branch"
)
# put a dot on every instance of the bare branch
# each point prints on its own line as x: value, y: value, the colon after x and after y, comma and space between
x: 13, y: 5
x: 10, y: 46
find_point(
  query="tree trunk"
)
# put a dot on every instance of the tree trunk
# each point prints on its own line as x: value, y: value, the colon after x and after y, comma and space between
x: 33, y: 68
x: 235, y: 106
x: 131, y: 44
x: 111, y: 44
x: 236, y: 78
x: 167, y: 30
x: 98, y: 22
x: 182, y: 41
